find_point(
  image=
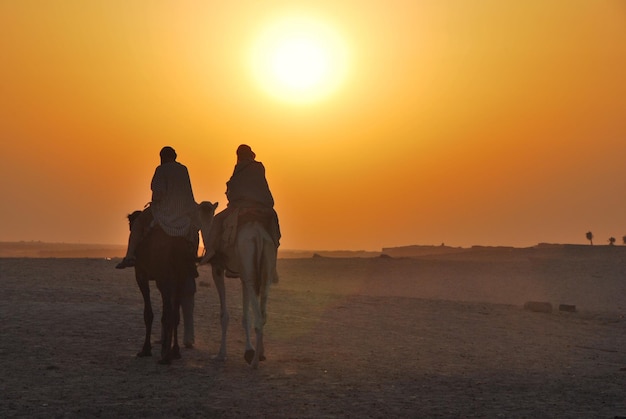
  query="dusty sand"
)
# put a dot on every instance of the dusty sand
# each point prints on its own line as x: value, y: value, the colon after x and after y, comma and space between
x: 439, y: 336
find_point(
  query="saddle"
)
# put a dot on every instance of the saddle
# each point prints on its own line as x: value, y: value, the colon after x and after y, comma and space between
x: 227, y: 252
x: 155, y: 248
x: 241, y: 216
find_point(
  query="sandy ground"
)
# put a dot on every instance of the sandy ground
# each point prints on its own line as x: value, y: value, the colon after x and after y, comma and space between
x: 443, y: 336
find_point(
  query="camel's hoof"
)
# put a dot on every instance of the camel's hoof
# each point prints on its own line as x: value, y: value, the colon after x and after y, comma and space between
x: 176, y: 354
x: 125, y: 263
x: 219, y: 357
x: 249, y: 355
x: 144, y: 353
x: 262, y: 358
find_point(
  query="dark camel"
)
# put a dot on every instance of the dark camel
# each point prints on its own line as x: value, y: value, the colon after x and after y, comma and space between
x: 170, y: 262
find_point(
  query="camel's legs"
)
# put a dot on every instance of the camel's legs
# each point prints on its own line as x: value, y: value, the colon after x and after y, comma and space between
x: 269, y: 276
x: 259, y: 323
x: 187, y: 305
x: 175, y: 350
x: 169, y: 322
x: 166, y: 330
x: 266, y: 274
x: 260, y: 349
x: 245, y: 319
x: 253, y: 355
x: 258, y: 270
x: 148, y: 315
x: 264, y: 294
x: 218, y: 280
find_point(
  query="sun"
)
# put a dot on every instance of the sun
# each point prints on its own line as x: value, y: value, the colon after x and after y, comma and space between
x: 299, y: 59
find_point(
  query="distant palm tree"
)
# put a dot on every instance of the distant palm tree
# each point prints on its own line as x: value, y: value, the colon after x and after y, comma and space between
x: 611, y: 241
x: 590, y: 237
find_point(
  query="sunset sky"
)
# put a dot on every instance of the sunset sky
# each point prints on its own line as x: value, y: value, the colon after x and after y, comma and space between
x: 468, y: 122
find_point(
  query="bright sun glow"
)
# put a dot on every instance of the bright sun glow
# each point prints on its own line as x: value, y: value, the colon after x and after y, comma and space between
x: 299, y: 60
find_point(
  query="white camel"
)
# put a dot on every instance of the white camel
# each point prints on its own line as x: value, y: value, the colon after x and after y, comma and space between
x: 256, y: 253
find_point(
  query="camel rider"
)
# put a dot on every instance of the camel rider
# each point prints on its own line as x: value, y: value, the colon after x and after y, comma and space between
x: 173, y: 207
x: 247, y: 191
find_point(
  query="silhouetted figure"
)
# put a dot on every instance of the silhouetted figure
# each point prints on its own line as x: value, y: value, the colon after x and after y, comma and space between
x: 249, y: 197
x: 173, y: 208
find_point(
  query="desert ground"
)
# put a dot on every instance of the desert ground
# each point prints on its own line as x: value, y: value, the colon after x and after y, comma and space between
x: 434, y: 335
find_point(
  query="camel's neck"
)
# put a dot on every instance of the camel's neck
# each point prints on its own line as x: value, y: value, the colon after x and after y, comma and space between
x: 206, y: 220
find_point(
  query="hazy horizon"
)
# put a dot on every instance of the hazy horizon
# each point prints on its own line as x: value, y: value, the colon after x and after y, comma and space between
x: 282, y: 249
x: 380, y: 124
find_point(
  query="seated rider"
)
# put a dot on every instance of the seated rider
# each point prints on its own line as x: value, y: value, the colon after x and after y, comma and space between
x: 247, y: 188
x: 173, y: 207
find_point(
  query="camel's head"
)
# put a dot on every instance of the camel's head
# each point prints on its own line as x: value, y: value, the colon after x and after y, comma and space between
x: 207, y: 210
x: 132, y: 217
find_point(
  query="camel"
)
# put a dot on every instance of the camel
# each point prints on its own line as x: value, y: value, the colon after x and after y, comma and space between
x: 181, y: 267
x: 255, y: 254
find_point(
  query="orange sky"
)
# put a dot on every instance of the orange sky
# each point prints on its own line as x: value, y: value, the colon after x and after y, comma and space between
x: 465, y: 122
